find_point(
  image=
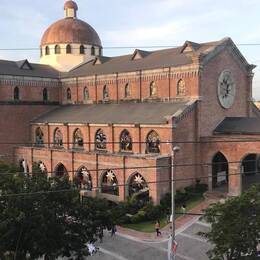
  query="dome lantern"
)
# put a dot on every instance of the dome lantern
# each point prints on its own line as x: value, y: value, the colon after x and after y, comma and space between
x: 70, y: 9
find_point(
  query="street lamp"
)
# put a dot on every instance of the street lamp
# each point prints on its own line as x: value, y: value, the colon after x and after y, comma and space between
x: 174, y: 150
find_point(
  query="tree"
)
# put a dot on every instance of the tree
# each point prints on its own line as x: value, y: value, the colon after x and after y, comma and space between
x: 235, y: 226
x: 44, y: 217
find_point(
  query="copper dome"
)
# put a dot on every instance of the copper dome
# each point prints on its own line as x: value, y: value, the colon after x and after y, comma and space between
x: 70, y: 4
x: 70, y: 30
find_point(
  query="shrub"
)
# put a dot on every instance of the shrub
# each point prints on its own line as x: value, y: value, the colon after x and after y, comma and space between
x: 153, y: 212
x: 138, y: 217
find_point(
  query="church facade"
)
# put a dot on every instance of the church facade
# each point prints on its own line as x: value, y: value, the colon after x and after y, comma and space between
x: 110, y: 123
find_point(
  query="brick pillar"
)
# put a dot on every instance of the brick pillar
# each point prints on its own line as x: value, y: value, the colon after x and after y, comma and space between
x: 235, y: 182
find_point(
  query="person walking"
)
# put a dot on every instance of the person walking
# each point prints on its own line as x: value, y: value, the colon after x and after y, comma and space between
x: 157, y: 228
x: 113, y: 230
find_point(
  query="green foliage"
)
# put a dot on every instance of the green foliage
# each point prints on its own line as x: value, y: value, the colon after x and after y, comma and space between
x: 48, y: 219
x: 235, y: 226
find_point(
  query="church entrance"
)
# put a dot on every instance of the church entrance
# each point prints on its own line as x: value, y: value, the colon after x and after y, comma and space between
x: 250, y: 170
x: 220, y: 173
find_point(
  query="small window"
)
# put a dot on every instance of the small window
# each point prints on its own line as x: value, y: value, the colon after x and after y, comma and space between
x: 181, y: 89
x: 68, y: 94
x: 47, y: 50
x: 78, y: 139
x: 38, y: 136
x: 100, y: 140
x: 86, y: 93
x: 45, y: 94
x: 153, y: 89
x: 58, y: 138
x: 105, y: 92
x: 126, y: 141
x: 93, y: 51
x: 16, y: 93
x: 153, y: 143
x: 127, y: 90
x: 57, y: 49
x: 68, y: 49
x: 82, y: 49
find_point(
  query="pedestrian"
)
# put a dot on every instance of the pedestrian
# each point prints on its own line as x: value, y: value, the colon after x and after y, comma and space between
x: 157, y: 228
x: 113, y: 230
x: 100, y: 234
x: 183, y: 208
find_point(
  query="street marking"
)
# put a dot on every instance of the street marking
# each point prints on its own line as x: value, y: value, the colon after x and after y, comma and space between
x: 193, y: 237
x: 187, y: 225
x: 119, y: 257
x: 204, y: 224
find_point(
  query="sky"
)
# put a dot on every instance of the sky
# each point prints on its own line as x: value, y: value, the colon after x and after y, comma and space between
x: 136, y: 24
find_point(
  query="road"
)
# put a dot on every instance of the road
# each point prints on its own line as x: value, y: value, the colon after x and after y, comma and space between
x: 190, y: 246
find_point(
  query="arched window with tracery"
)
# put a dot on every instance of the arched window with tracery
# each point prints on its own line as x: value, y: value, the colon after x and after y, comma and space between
x: 58, y: 138
x: 83, y: 178
x: 60, y: 170
x: 181, y: 89
x: 100, y: 140
x: 93, y: 51
x: 153, y: 142
x: 47, y: 50
x: 153, y: 89
x: 86, y: 94
x: 68, y: 94
x: 126, y: 144
x: 127, y: 90
x: 16, y: 94
x: 82, y: 49
x: 138, y: 186
x: 78, y: 139
x: 45, y: 94
x: 57, y: 49
x: 39, y: 136
x: 68, y: 49
x: 105, y: 92
x: 109, y: 183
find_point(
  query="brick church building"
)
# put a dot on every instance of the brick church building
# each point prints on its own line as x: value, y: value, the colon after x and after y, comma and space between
x: 111, y: 122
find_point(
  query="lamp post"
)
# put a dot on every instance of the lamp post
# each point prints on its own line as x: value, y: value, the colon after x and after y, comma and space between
x: 174, y: 150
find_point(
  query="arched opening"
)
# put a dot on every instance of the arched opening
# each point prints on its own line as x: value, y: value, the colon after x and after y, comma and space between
x: 152, y: 142
x: 39, y: 137
x: 83, y: 179
x: 47, y: 50
x: 138, y: 187
x: 127, y: 90
x: 78, y: 142
x: 93, y: 51
x: 109, y: 183
x: 100, y: 140
x: 153, y: 89
x: 16, y: 94
x: 250, y: 169
x: 68, y: 94
x: 45, y: 94
x: 42, y: 167
x: 86, y: 93
x: 68, y: 49
x: 82, y: 49
x: 181, y: 88
x: 220, y: 173
x: 60, y: 170
x: 57, y: 49
x: 57, y: 138
x: 105, y: 92
x: 126, y: 144
x: 23, y: 165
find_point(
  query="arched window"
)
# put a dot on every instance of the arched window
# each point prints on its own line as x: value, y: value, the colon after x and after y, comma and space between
x: 153, y: 143
x: 60, y: 170
x: 100, y: 140
x: 138, y: 186
x: 84, y: 178
x: 181, y: 88
x: 38, y: 136
x: 86, y: 93
x: 47, y: 50
x: 105, y: 92
x: 41, y: 166
x: 93, y: 51
x: 109, y: 183
x: 127, y: 90
x: 57, y: 49
x: 45, y: 94
x: 153, y: 89
x: 126, y: 141
x: 16, y: 93
x: 68, y: 49
x: 78, y: 139
x: 68, y: 94
x: 57, y: 138
x: 82, y: 49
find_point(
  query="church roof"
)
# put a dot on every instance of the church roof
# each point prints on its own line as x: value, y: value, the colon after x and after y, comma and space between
x: 239, y: 125
x: 26, y: 69
x: 123, y: 113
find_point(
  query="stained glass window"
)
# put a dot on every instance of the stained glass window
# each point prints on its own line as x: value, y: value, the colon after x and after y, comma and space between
x: 153, y: 143
x: 138, y: 185
x: 181, y: 88
x: 153, y: 89
x: 38, y: 136
x: 109, y: 183
x: 58, y: 139
x: 126, y: 141
x: 78, y: 139
x: 101, y: 140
